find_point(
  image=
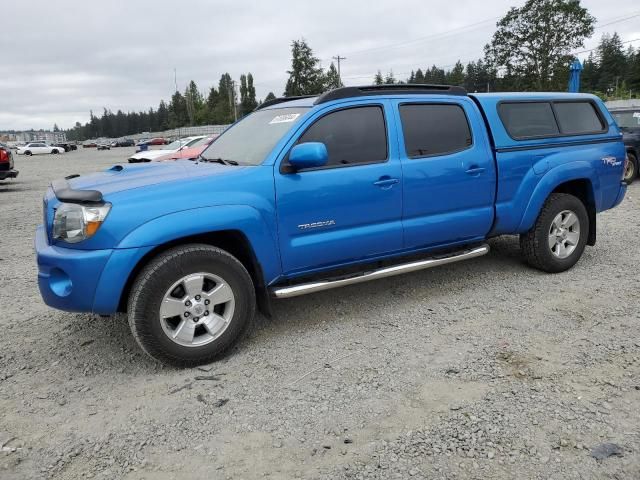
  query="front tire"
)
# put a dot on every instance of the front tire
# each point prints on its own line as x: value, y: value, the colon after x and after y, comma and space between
x: 630, y: 169
x: 190, y: 304
x: 558, y: 238
x: 55, y: 151
x: 27, y: 153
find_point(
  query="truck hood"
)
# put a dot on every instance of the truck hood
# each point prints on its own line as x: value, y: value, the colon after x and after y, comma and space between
x: 127, y: 177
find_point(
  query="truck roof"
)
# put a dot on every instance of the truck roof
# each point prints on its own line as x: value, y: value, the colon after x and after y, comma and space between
x: 485, y: 99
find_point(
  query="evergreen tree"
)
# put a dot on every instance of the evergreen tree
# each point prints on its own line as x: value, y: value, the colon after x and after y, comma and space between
x: 306, y: 76
x: 248, y: 101
x: 389, y: 79
x: 225, y: 110
x: 270, y: 96
x: 332, y: 79
x: 456, y: 75
x: 178, y: 116
x: 611, y: 63
x: 378, y: 79
x: 163, y: 117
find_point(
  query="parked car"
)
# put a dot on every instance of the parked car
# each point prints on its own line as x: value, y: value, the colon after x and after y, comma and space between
x: 308, y: 194
x: 126, y: 142
x: 68, y: 146
x: 190, y: 153
x: 104, y: 146
x: 38, y: 148
x: 90, y: 144
x: 157, y: 141
x: 6, y: 163
x: 142, y: 141
x: 628, y: 120
x: 149, y: 155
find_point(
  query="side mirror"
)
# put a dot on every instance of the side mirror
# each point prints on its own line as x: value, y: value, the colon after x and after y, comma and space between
x: 308, y: 155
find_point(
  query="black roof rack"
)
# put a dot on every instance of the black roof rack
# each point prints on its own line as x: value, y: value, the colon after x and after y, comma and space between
x: 413, y: 88
x: 278, y: 100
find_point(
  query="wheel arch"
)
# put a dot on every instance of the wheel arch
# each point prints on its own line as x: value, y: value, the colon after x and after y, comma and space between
x: 232, y: 241
x: 576, y: 179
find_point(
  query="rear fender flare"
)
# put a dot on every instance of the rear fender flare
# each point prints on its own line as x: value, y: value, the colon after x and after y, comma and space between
x: 555, y: 177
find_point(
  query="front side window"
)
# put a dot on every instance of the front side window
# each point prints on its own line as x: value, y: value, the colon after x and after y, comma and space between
x: 434, y: 129
x: 352, y: 136
x: 577, y: 118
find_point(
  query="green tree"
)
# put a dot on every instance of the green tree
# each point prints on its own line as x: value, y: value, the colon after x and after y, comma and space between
x: 225, y: 109
x: 378, y: 79
x: 612, y: 63
x: 534, y: 41
x: 332, y: 79
x: 456, y: 75
x: 163, y: 117
x: 389, y: 79
x: 248, y: 101
x: 306, y: 76
x: 194, y: 102
x: 178, y: 115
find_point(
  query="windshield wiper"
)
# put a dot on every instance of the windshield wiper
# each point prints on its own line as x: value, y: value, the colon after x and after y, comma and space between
x: 223, y: 161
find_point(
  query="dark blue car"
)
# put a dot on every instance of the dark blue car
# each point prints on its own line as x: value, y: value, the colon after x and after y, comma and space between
x: 308, y: 194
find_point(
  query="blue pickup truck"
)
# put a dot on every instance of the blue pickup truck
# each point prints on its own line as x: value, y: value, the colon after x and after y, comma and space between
x: 311, y: 193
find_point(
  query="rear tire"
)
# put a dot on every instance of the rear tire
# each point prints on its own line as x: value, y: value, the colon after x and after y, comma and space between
x: 190, y: 304
x: 630, y: 169
x: 558, y: 238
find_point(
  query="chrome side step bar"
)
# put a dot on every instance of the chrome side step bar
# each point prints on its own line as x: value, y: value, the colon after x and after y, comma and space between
x: 304, y: 288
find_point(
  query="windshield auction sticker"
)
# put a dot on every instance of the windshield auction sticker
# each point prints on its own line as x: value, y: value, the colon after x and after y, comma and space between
x: 290, y: 117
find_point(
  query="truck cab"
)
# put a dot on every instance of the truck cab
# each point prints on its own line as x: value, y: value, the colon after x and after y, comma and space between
x: 311, y: 193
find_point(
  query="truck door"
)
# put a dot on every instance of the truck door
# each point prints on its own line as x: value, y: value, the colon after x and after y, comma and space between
x: 449, y: 177
x: 350, y: 209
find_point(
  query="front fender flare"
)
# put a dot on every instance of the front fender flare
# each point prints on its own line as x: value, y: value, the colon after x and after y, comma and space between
x: 555, y: 177
x: 186, y: 223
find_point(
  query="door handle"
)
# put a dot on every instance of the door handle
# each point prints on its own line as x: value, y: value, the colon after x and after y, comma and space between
x: 475, y: 170
x: 386, y: 182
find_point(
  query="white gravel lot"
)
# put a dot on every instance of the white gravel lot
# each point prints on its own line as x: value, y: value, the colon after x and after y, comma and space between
x: 481, y: 370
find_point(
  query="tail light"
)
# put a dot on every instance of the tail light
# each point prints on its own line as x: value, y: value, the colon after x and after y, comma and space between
x: 4, y: 156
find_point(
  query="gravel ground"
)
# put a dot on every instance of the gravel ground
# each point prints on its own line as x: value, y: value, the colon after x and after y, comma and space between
x: 485, y: 369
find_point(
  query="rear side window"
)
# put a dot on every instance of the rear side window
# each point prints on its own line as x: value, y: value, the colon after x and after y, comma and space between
x: 352, y: 136
x: 577, y: 118
x: 531, y: 119
x: 434, y: 129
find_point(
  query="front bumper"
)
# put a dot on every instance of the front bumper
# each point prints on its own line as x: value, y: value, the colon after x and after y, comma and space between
x: 68, y: 277
x: 4, y: 174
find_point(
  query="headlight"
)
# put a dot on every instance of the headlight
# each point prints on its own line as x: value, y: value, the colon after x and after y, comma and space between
x: 73, y: 223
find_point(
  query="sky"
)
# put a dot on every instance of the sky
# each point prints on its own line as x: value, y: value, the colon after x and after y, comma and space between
x: 62, y: 59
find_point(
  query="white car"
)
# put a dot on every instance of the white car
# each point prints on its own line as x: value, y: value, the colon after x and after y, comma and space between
x: 36, y: 148
x: 173, y: 147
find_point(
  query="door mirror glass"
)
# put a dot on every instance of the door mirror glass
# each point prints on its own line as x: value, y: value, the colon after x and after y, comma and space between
x: 308, y: 155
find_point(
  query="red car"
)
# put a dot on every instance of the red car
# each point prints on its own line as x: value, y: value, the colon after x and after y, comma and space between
x: 6, y: 163
x: 157, y: 141
x: 190, y: 153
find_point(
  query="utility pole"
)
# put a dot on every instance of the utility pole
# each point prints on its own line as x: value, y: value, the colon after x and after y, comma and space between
x: 337, y: 58
x: 232, y: 100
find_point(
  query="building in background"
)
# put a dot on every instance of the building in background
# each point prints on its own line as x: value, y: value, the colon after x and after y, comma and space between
x: 45, y: 136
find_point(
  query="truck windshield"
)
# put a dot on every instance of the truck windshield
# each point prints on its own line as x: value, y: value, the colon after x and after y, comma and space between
x: 627, y: 119
x: 251, y: 140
